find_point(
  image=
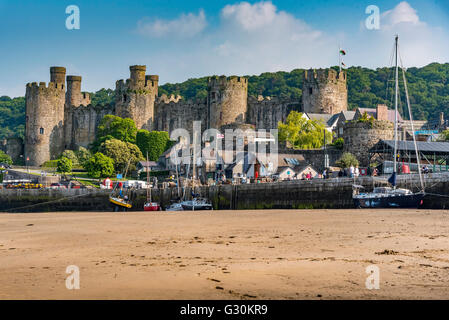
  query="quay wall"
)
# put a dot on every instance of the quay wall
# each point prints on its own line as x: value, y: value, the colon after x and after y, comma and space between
x: 298, y: 194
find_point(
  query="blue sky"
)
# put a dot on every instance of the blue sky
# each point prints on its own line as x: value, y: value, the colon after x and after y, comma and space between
x: 184, y: 39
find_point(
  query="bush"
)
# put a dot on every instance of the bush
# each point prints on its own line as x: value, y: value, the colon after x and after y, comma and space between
x: 83, y: 155
x: 64, y: 165
x: 50, y: 164
x: 70, y: 154
x: 99, y: 166
x: 339, y: 143
x: 4, y: 158
x: 347, y: 159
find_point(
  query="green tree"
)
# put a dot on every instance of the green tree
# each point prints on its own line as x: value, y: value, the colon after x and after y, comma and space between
x: 113, y: 127
x: 303, y: 133
x: 121, y: 152
x: 70, y: 154
x: 64, y: 165
x: 99, y: 166
x: 83, y: 155
x: 12, y: 117
x: 346, y: 160
x: 154, y: 142
x: 444, y: 136
x: 102, y: 97
x: 4, y: 158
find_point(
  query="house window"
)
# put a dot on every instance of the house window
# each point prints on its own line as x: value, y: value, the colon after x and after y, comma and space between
x: 41, y: 130
x: 124, y: 98
x: 310, y: 90
x: 340, y: 130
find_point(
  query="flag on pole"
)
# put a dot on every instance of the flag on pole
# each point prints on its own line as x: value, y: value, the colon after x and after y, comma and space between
x: 343, y: 64
x: 342, y: 52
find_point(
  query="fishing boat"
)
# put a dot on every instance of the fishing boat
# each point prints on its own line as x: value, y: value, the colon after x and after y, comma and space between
x: 197, y: 204
x: 150, y: 205
x: 393, y: 197
x: 177, y: 206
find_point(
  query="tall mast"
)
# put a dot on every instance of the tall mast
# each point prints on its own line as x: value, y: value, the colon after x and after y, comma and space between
x: 396, y: 98
x: 148, y: 179
x: 176, y: 166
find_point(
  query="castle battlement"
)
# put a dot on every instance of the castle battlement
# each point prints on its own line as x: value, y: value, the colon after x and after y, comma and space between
x: 220, y: 81
x: 323, y: 75
x: 266, y: 99
x: 167, y: 99
x: 39, y: 88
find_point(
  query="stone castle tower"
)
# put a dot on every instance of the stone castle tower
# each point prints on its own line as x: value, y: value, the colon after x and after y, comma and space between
x: 44, y: 112
x: 73, y: 99
x: 324, y: 91
x: 227, y: 101
x: 135, y: 98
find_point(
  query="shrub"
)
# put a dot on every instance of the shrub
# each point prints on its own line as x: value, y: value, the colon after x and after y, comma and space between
x: 347, y: 159
x: 64, y: 165
x: 99, y: 166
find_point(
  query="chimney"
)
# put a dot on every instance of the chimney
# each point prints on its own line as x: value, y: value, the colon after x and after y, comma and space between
x: 382, y: 112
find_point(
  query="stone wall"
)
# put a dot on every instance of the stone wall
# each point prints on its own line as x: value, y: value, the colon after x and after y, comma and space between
x: 174, y: 112
x: 14, y: 148
x: 85, y: 121
x: 359, y: 137
x: 296, y: 194
x: 266, y: 112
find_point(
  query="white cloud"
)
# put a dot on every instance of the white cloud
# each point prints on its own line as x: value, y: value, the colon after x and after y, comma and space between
x: 186, y: 25
x: 253, y: 38
x: 402, y: 13
x: 248, y: 16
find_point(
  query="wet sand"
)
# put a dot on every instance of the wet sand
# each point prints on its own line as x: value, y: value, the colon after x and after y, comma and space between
x: 263, y: 254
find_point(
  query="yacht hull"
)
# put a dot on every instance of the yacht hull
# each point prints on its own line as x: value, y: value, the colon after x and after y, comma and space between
x: 394, y: 201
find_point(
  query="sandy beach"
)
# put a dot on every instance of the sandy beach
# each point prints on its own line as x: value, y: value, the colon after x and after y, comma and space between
x: 264, y: 254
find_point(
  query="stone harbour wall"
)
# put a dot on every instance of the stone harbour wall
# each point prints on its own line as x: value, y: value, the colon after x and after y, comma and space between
x: 299, y: 194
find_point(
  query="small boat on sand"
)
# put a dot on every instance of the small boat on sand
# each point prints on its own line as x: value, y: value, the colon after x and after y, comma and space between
x: 197, y: 204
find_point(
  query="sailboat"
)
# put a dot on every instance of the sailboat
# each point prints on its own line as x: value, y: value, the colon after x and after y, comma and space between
x: 120, y: 201
x: 392, y: 197
x: 149, y: 205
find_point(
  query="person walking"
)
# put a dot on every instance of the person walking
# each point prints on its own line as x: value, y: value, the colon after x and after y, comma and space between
x: 351, y: 171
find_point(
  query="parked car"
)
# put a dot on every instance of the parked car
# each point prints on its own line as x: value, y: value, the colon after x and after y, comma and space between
x: 4, y: 166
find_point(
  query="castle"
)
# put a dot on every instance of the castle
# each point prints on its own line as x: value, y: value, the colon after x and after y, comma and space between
x: 60, y: 116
